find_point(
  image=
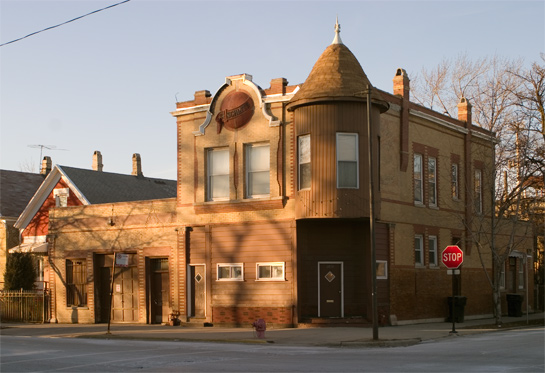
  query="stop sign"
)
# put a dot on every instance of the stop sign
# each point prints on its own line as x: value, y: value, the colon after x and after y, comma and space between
x: 452, y: 257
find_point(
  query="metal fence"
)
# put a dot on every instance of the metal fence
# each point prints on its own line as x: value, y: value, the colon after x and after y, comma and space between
x: 24, y: 305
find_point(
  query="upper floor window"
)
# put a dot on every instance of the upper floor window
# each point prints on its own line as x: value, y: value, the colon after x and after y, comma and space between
x: 417, y: 174
x: 347, y: 160
x: 432, y: 181
x: 454, y: 181
x: 478, y: 193
x: 61, y: 197
x: 257, y: 170
x: 418, y: 250
x: 218, y: 174
x: 432, y: 251
x: 304, y: 162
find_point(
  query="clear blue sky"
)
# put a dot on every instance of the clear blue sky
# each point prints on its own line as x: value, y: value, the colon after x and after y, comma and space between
x: 109, y: 81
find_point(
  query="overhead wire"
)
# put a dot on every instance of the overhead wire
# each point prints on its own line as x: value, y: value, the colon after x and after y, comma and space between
x: 64, y: 23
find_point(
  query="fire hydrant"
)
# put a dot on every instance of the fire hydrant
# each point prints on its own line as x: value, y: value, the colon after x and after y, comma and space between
x: 260, y: 327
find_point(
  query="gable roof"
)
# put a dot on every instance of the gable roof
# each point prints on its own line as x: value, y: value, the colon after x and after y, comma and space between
x: 107, y: 187
x: 94, y: 187
x: 16, y: 190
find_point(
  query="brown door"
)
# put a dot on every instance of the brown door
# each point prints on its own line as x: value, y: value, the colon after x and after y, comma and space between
x: 159, y: 299
x: 330, y: 285
x: 198, y: 287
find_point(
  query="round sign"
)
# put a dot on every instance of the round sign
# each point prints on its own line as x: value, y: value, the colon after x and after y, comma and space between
x: 236, y: 111
x: 452, y: 257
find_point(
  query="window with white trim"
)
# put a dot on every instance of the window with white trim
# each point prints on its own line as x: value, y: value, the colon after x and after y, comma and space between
x: 432, y: 251
x: 61, y: 197
x: 520, y: 266
x: 381, y: 269
x: 304, y: 162
x: 218, y: 174
x: 347, y: 160
x: 478, y: 193
x: 432, y: 181
x: 418, y: 250
x: 454, y: 181
x: 418, y: 179
x: 230, y: 272
x: 257, y: 170
x: 274, y: 271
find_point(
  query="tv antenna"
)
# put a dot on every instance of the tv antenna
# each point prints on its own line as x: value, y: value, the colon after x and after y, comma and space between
x: 42, y: 147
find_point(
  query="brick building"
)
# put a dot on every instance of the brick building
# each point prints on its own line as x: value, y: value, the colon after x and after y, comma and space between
x: 272, y: 217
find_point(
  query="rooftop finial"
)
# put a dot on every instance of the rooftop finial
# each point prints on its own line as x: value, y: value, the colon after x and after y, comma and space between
x: 337, y: 38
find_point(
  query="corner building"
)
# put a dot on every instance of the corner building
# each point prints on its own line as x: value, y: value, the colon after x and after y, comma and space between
x: 273, y: 200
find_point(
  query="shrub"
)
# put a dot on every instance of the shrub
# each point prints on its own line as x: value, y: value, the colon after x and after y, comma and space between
x: 20, y: 272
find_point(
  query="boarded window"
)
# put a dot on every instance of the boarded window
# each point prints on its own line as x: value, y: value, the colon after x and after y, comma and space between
x: 76, y: 282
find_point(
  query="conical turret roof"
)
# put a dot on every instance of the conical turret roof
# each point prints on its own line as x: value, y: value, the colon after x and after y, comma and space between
x: 337, y: 75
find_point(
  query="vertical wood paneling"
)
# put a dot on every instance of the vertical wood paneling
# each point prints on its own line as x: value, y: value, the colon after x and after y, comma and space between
x: 323, y: 122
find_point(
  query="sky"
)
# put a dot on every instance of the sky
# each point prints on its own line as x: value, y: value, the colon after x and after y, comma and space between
x: 110, y: 80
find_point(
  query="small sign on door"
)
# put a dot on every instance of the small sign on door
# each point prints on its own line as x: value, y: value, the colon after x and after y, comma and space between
x: 118, y: 288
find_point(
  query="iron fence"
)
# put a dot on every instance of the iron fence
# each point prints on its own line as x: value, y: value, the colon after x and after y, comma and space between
x: 24, y: 305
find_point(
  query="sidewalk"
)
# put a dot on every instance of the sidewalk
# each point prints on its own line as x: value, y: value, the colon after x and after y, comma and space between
x: 390, y: 336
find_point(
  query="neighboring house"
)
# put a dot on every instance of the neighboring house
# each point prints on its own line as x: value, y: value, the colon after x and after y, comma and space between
x: 272, y: 216
x: 67, y: 187
x: 16, y: 190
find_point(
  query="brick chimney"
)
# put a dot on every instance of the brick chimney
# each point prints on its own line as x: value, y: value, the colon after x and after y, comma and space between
x: 136, y: 165
x: 401, y: 84
x: 97, y: 161
x: 202, y: 97
x: 278, y: 85
x: 464, y: 111
x: 46, y: 166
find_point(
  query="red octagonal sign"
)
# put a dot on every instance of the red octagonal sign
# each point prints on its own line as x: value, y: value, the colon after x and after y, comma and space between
x: 452, y: 257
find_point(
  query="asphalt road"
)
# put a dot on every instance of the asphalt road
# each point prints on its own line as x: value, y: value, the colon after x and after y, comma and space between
x: 519, y: 350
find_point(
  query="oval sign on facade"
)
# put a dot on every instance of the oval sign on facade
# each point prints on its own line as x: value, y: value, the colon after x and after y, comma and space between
x: 236, y: 111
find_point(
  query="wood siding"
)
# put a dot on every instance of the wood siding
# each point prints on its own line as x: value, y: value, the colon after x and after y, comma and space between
x: 323, y: 122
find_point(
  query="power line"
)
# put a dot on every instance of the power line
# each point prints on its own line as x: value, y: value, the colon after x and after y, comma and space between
x: 64, y: 23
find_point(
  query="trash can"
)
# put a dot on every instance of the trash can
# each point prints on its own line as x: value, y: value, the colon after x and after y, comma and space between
x: 459, y: 308
x: 514, y: 305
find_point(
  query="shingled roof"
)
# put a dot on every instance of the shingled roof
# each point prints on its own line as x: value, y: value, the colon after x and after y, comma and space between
x: 107, y: 187
x: 337, y: 75
x: 16, y: 190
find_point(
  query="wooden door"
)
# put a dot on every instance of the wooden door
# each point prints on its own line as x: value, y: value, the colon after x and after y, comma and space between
x: 159, y: 296
x: 125, y: 296
x: 198, y: 291
x: 330, y: 285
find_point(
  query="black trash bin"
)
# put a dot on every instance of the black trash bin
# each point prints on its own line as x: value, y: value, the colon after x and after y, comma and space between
x: 514, y: 304
x: 459, y: 308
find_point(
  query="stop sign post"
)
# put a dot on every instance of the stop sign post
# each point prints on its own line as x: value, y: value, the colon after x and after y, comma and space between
x: 452, y: 257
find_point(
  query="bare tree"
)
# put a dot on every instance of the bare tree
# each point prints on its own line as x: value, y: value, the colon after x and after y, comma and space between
x: 506, y: 100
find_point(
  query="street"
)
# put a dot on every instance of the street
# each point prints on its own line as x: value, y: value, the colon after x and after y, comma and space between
x: 519, y: 350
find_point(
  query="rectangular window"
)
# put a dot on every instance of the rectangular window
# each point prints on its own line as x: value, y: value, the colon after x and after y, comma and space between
x: 432, y: 251
x: 520, y: 273
x: 61, y: 197
x: 230, y: 272
x: 418, y: 190
x: 381, y: 269
x: 502, y: 276
x: 304, y: 162
x: 270, y: 271
x: 478, y: 195
x: 432, y: 181
x: 218, y: 174
x: 76, y: 282
x: 454, y: 181
x: 257, y: 170
x: 347, y: 160
x: 418, y: 250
